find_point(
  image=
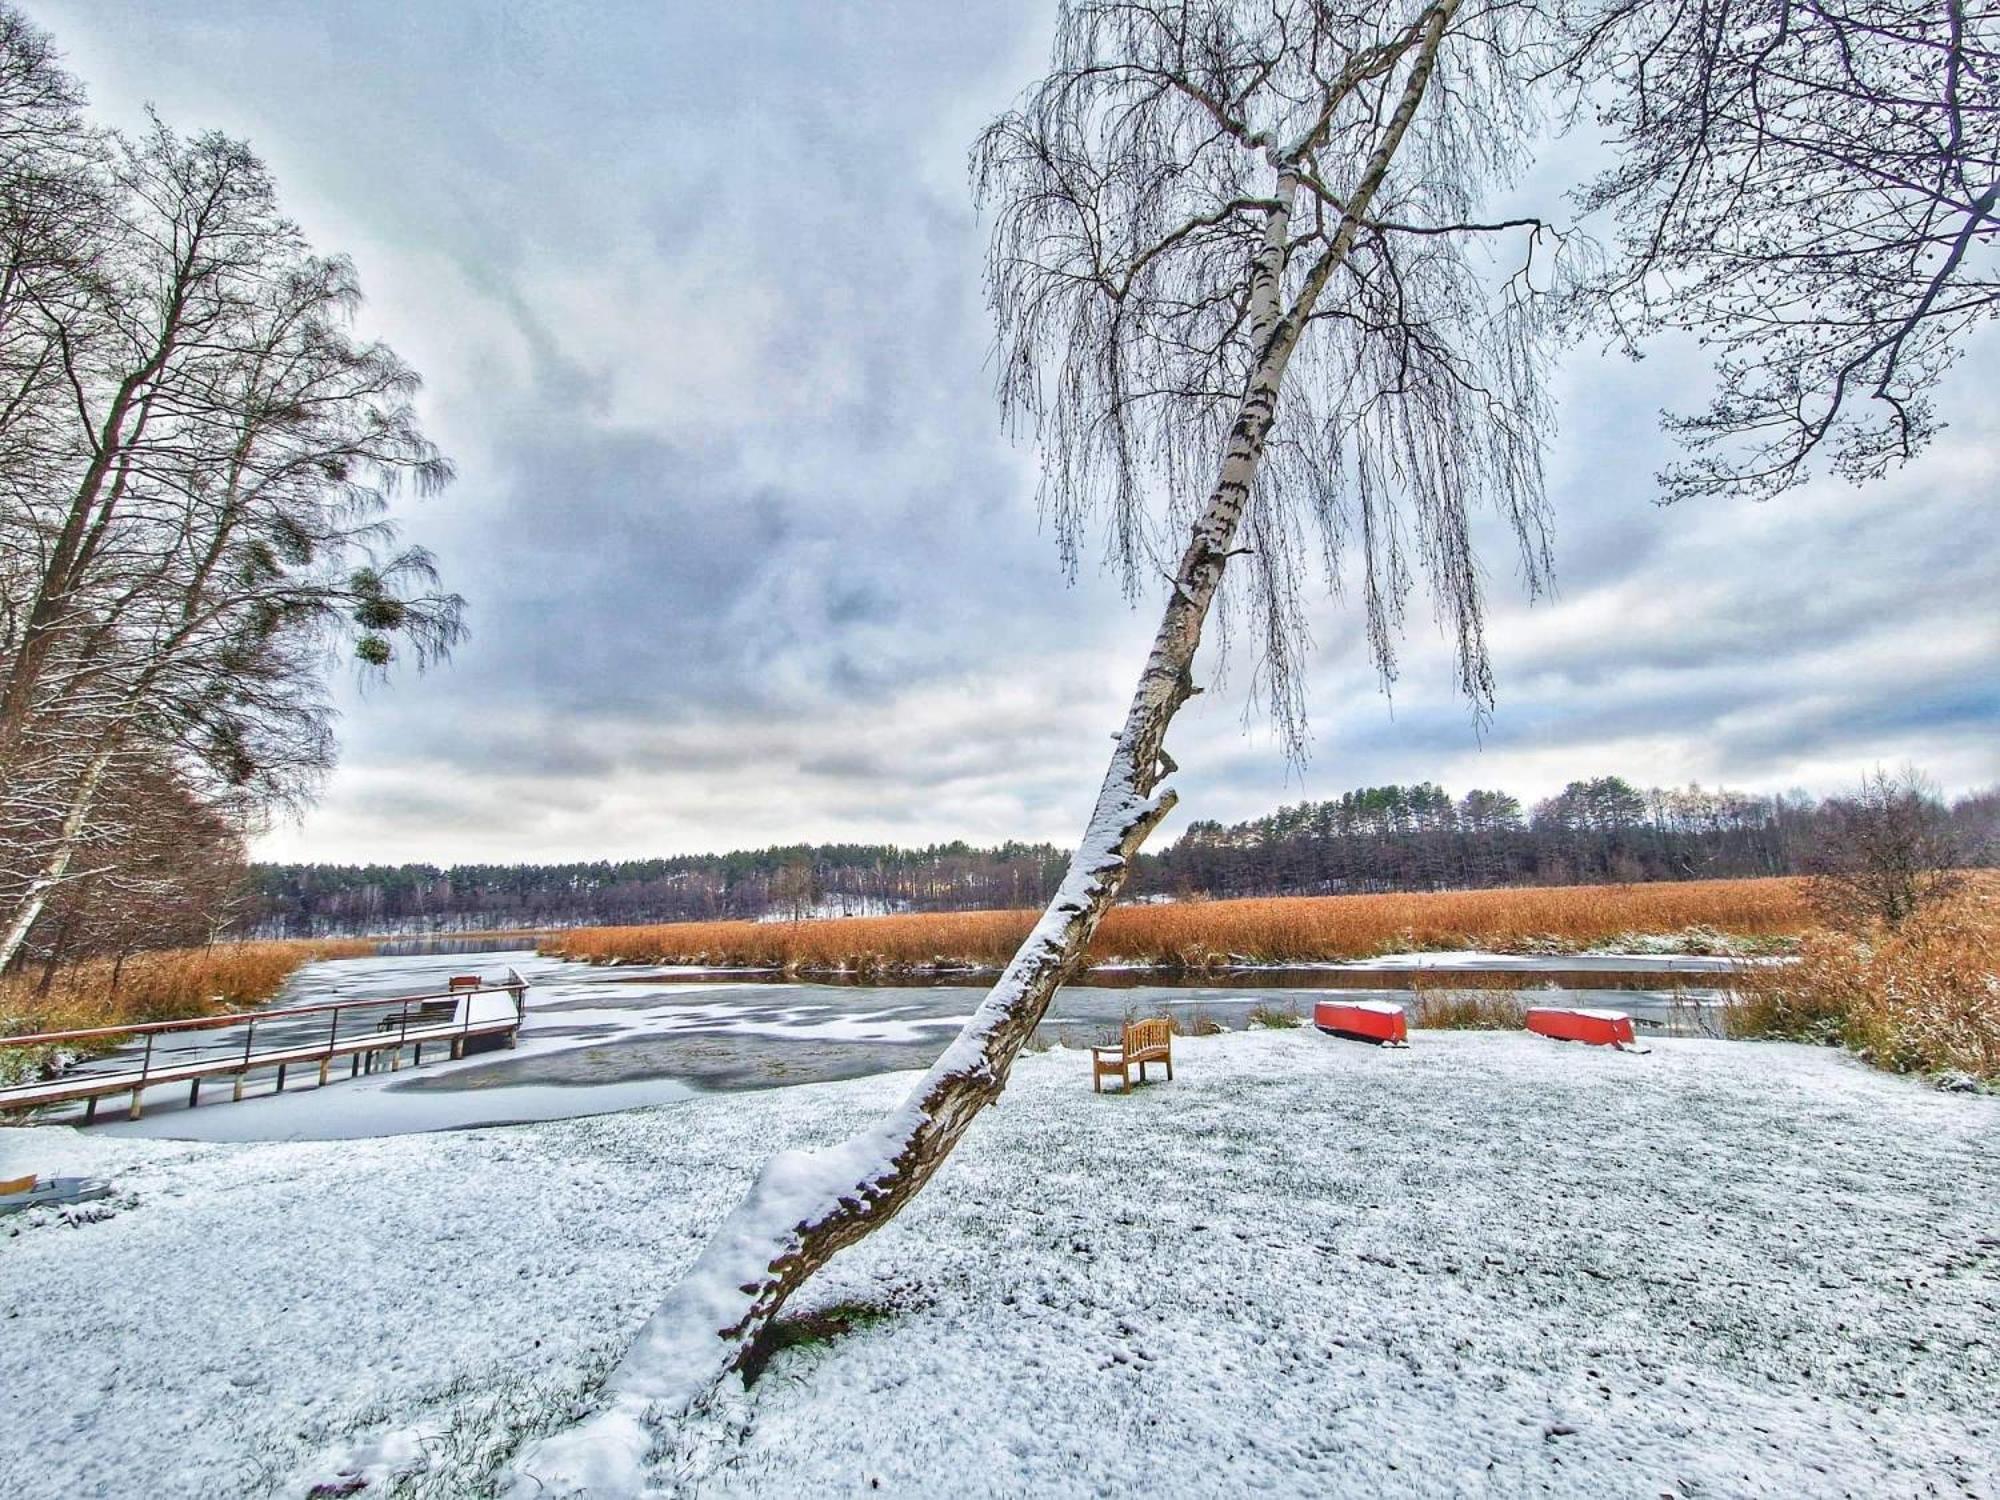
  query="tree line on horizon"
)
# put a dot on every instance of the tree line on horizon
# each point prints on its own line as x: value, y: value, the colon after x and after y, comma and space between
x: 1371, y: 839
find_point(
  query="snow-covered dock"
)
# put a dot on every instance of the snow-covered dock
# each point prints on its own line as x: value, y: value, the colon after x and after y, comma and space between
x: 1484, y: 1265
x: 361, y: 1033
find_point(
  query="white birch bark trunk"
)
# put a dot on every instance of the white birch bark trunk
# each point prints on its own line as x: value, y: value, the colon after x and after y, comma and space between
x: 806, y: 1206
x: 56, y: 867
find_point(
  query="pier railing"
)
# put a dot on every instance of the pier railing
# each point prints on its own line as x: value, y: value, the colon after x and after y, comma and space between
x: 366, y: 1032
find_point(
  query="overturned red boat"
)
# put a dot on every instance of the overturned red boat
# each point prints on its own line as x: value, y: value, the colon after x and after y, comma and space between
x: 1601, y: 1028
x: 1378, y: 1021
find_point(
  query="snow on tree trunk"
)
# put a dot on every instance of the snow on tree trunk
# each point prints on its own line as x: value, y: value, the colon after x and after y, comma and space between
x: 805, y: 1206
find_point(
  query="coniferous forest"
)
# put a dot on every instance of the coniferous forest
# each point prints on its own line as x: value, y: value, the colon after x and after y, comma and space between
x: 1386, y: 838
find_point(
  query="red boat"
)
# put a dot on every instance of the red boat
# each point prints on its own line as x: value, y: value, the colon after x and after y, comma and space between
x: 1378, y: 1021
x: 1600, y: 1028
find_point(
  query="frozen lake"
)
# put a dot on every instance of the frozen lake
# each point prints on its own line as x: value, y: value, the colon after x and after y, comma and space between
x: 597, y: 1040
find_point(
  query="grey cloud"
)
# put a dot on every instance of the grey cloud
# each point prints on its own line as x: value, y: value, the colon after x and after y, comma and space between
x: 695, y: 290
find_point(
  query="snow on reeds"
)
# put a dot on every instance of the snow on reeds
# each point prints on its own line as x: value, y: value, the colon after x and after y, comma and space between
x: 1924, y: 998
x: 1211, y: 934
x: 162, y: 986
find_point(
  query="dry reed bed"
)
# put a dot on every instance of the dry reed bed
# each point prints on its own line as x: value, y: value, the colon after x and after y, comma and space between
x: 168, y: 985
x: 1486, y: 1006
x: 1208, y: 934
x: 1922, y: 999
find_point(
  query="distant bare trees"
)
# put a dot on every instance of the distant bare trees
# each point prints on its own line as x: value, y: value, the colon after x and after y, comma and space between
x: 195, y: 457
x: 795, y: 890
x: 1885, y: 853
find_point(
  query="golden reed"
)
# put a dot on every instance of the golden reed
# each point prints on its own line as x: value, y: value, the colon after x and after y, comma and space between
x: 168, y: 985
x: 1206, y: 934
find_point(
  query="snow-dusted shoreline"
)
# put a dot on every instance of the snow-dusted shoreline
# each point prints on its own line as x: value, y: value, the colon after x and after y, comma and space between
x: 1490, y: 1264
x: 1629, y: 959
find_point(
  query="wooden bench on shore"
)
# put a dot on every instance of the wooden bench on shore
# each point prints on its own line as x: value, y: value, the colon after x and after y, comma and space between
x: 1142, y: 1042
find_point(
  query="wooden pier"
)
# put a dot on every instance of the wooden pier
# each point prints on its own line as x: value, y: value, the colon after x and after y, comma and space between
x: 366, y: 1034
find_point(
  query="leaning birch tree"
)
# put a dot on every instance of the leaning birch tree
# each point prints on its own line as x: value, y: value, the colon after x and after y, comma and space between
x: 1246, y: 308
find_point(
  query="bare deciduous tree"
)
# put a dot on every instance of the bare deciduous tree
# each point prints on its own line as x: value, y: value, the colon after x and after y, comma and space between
x: 195, y: 461
x: 163, y: 868
x: 1241, y: 303
x: 1813, y: 188
x: 1884, y: 854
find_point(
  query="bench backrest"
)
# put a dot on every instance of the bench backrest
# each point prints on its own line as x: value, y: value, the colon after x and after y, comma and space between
x: 1148, y: 1036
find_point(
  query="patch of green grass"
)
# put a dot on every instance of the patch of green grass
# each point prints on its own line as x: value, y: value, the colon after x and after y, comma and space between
x: 1275, y: 1017
x: 810, y: 1330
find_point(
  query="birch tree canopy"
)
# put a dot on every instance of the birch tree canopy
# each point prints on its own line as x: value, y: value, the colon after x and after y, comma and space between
x: 1132, y: 188
x: 1813, y: 191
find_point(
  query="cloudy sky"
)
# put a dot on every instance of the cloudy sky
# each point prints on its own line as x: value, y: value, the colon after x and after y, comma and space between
x: 695, y: 289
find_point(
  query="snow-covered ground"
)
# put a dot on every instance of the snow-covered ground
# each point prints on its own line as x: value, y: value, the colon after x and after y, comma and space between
x: 1490, y: 1264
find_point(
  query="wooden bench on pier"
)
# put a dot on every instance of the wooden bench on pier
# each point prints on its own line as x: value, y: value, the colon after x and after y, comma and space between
x: 430, y: 1013
x: 1141, y: 1042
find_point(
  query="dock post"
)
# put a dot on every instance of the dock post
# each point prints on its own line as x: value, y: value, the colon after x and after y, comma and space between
x: 332, y: 1040
x: 418, y: 1061
x: 145, y: 1067
x: 236, y: 1094
x: 194, y: 1092
x: 90, y: 1109
x: 281, y: 1078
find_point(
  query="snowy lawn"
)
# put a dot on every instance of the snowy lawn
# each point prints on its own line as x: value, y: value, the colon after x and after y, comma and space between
x: 1489, y: 1264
